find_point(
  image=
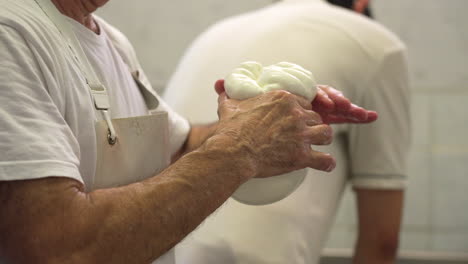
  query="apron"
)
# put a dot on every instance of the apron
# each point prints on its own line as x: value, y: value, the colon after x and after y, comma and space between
x: 128, y: 149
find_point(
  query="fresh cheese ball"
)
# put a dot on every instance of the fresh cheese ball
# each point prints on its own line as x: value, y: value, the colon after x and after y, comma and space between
x: 252, y: 79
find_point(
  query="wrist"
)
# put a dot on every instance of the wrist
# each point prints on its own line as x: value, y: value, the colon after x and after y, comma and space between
x: 233, y: 154
x: 198, y: 135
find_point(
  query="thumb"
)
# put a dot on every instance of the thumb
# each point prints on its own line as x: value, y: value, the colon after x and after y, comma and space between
x: 219, y: 86
x: 222, y: 99
x: 226, y: 105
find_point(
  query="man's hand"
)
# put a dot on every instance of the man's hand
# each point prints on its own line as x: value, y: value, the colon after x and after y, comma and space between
x: 332, y: 105
x: 335, y: 108
x: 275, y: 130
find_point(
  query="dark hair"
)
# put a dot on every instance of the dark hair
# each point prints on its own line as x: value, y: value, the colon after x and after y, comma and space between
x: 349, y: 5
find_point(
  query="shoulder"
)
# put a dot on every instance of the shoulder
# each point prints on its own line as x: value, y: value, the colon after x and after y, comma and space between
x: 27, y: 19
x: 358, y: 44
x: 116, y: 36
x: 120, y: 42
x: 321, y: 22
x: 233, y: 27
x: 15, y: 12
x: 374, y: 39
x: 27, y: 29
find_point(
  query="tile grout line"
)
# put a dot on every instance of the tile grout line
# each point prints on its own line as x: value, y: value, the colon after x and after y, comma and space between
x: 431, y: 185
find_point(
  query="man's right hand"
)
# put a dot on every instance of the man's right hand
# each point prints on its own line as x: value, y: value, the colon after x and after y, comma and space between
x: 275, y: 130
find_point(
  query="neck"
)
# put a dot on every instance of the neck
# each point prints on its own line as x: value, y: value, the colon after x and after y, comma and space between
x: 80, y: 10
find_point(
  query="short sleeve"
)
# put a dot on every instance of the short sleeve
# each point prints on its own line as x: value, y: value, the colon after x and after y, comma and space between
x: 179, y: 127
x: 379, y: 151
x: 35, y: 140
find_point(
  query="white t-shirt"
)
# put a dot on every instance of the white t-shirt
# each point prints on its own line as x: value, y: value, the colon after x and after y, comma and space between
x: 47, y: 116
x: 342, y: 49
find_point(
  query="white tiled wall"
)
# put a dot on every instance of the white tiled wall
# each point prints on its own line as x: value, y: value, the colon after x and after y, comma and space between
x: 160, y: 30
x: 436, y: 32
x: 436, y: 211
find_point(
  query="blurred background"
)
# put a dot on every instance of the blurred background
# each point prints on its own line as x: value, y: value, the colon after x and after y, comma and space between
x: 435, y: 228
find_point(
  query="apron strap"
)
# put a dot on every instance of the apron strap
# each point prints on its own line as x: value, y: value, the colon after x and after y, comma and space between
x: 152, y: 101
x: 97, y: 89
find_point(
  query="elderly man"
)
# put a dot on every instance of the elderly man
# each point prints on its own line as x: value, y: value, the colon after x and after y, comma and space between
x: 85, y: 174
x: 342, y: 48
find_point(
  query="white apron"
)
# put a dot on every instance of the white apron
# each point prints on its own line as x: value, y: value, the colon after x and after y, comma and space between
x: 128, y: 149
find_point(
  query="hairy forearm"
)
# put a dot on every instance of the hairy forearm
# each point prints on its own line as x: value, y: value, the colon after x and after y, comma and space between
x: 367, y: 252
x: 132, y: 224
x: 380, y: 213
x: 197, y: 136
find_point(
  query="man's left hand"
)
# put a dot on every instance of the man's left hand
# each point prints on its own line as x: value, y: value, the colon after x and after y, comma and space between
x: 335, y: 108
x: 332, y: 105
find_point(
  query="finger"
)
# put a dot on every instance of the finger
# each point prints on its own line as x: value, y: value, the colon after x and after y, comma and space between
x: 318, y: 135
x: 321, y: 161
x: 372, y: 116
x: 289, y: 97
x: 362, y: 115
x: 334, y: 119
x: 346, y: 109
x: 222, y: 98
x: 312, y: 118
x: 342, y: 104
x: 322, y: 103
x: 219, y: 86
x: 226, y: 105
x: 355, y: 112
x: 339, y: 119
x: 304, y: 103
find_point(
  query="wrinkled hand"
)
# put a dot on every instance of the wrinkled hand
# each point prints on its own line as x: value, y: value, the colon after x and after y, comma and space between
x: 276, y: 130
x: 335, y: 108
x: 332, y: 105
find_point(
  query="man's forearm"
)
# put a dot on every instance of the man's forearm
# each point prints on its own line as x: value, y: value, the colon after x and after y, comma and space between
x: 198, y: 134
x: 132, y: 224
x: 53, y: 220
x: 380, y: 213
x: 375, y: 253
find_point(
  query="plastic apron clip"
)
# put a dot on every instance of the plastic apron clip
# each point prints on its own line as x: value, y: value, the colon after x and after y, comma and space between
x: 101, y: 102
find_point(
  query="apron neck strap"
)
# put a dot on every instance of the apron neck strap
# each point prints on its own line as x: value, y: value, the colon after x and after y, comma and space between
x: 97, y: 89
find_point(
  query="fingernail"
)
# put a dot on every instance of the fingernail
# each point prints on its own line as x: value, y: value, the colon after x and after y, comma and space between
x: 331, y: 167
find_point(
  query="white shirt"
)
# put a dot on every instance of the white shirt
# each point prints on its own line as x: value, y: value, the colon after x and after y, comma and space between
x: 47, y: 115
x: 342, y: 49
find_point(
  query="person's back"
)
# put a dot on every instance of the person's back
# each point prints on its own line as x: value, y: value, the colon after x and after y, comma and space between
x: 342, y: 49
